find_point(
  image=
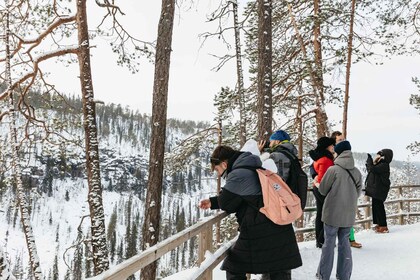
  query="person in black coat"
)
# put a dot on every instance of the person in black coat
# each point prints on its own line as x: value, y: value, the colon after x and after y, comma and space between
x: 262, y: 246
x: 377, y: 186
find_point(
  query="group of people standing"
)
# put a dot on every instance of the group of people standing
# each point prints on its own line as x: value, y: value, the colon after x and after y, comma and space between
x: 264, y: 247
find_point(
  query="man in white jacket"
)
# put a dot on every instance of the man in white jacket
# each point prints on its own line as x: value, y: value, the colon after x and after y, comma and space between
x: 341, y: 185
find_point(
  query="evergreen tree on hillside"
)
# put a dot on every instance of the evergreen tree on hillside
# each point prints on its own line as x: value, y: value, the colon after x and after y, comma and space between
x: 55, y: 272
x: 415, y: 101
x: 112, y: 233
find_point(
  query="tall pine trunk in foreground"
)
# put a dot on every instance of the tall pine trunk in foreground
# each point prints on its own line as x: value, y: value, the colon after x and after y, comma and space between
x: 264, y: 77
x: 151, y: 226
x: 321, y: 117
x: 240, y: 76
x: 319, y: 80
x: 349, y: 52
x: 99, y: 245
x: 17, y: 170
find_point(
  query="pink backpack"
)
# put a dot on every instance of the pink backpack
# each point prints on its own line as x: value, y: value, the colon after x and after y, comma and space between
x: 281, y: 205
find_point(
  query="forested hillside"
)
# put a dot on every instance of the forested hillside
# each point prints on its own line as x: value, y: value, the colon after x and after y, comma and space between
x: 55, y: 181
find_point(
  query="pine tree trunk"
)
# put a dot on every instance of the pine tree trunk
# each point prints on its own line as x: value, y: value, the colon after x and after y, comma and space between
x: 320, y: 113
x: 17, y: 171
x: 319, y: 81
x: 264, y: 77
x: 240, y: 76
x: 99, y: 245
x: 151, y: 227
x: 349, y: 52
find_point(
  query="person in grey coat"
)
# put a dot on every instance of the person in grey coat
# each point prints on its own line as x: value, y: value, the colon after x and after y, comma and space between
x: 341, y: 185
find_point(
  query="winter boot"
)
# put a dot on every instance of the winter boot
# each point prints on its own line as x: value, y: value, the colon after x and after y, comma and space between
x: 355, y: 244
x: 382, y: 229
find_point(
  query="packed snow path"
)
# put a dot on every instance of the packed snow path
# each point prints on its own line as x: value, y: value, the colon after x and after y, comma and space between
x: 390, y: 256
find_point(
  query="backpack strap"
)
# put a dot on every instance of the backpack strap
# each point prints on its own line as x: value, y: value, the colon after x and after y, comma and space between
x: 288, y: 154
x: 250, y: 168
x: 352, y: 178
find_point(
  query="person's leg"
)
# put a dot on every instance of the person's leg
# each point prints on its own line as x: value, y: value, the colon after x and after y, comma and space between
x: 375, y: 210
x: 281, y: 275
x: 352, y: 239
x: 319, y: 225
x: 381, y: 214
x: 344, y: 258
x: 327, y: 256
x: 235, y: 276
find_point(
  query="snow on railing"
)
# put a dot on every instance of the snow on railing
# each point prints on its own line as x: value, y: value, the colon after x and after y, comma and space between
x: 208, y: 261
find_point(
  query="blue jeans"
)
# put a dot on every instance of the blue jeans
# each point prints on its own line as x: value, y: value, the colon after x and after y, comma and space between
x: 344, y: 261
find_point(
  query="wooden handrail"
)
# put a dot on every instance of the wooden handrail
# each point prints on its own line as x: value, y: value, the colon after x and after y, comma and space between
x: 136, y: 263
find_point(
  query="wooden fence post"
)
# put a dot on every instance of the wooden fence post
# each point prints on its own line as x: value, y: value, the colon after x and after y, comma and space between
x: 205, y: 244
x: 299, y: 224
x: 400, y: 205
x: 368, y: 213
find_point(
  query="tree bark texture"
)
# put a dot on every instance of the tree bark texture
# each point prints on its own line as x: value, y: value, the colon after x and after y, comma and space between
x: 99, y: 245
x: 348, y: 67
x: 240, y: 76
x: 320, y: 113
x: 151, y: 227
x: 264, y: 77
x: 17, y: 170
x: 319, y: 80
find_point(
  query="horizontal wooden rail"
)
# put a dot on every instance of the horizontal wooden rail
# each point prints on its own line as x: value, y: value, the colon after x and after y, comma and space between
x: 211, y: 263
x: 137, y: 262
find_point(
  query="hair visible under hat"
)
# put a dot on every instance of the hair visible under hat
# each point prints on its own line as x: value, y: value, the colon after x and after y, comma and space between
x: 342, y: 146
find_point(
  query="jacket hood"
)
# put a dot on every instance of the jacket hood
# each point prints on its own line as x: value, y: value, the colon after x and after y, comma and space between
x: 317, y: 154
x: 345, y: 160
x: 388, y: 155
x: 288, y: 146
x: 241, y: 159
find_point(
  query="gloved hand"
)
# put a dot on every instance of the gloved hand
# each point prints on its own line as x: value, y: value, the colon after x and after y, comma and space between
x: 369, y: 156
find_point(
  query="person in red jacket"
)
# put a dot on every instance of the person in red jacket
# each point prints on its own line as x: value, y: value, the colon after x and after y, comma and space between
x: 323, y: 157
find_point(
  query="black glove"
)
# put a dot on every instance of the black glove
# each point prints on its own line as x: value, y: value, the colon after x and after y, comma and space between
x: 369, y: 156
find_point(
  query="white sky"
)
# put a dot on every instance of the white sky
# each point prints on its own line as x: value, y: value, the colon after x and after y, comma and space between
x: 383, y: 257
x: 379, y: 112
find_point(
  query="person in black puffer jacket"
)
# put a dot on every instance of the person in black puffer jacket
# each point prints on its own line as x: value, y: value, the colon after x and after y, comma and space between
x: 262, y: 246
x: 377, y: 186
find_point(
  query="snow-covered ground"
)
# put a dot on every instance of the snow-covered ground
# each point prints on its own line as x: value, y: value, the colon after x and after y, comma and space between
x: 392, y: 256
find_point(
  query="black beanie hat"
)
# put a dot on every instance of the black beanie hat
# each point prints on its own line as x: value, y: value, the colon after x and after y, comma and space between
x: 342, y: 146
x: 323, y: 143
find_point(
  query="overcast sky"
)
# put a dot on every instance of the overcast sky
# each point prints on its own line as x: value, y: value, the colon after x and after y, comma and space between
x: 380, y: 115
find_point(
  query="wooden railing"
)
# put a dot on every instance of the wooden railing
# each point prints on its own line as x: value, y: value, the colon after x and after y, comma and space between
x: 204, y: 229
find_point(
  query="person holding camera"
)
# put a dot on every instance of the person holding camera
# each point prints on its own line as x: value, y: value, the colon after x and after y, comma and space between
x: 378, y: 185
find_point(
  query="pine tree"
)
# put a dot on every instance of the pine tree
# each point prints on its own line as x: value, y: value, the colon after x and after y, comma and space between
x: 112, y: 233
x: 157, y: 146
x: 55, y: 272
x: 77, y: 264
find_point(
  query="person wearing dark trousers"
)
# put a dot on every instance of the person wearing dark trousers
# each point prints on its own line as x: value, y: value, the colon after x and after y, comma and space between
x: 378, y: 185
x: 262, y: 247
x: 323, y: 158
